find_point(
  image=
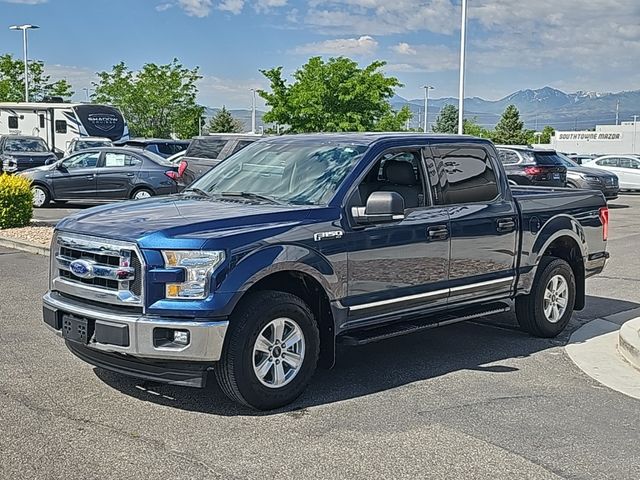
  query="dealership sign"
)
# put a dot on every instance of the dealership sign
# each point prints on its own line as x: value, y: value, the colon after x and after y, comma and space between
x: 589, y: 136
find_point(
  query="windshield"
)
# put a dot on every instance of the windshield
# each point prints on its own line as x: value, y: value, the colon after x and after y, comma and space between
x: 83, y: 144
x: 25, y: 145
x: 566, y: 161
x: 294, y: 173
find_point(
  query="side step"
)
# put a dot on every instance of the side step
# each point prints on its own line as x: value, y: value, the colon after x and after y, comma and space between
x: 375, y: 334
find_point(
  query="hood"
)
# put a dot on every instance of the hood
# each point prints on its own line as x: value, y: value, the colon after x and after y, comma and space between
x: 595, y: 172
x: 191, y: 222
x: 21, y: 155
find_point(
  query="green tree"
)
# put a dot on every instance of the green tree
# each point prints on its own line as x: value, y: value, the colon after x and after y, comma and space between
x: 157, y: 101
x: 510, y: 129
x: 447, y: 120
x: 547, y: 133
x: 40, y: 85
x: 224, y: 122
x: 333, y: 96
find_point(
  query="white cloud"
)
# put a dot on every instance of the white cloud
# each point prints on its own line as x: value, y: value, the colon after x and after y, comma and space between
x: 163, y: 6
x: 217, y: 91
x: 404, y: 49
x: 79, y: 78
x: 267, y: 5
x: 232, y: 6
x: 196, y: 8
x: 382, y: 17
x: 364, y: 45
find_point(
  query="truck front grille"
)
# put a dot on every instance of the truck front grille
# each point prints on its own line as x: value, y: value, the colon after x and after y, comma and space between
x: 99, y: 270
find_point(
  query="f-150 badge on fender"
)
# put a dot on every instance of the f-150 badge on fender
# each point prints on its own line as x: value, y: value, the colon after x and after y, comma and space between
x: 328, y: 235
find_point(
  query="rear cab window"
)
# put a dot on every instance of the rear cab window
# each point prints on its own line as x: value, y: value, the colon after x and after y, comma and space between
x: 206, y: 148
x: 462, y: 174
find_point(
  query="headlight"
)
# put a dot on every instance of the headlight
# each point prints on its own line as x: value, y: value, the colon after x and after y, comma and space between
x: 198, y: 266
x: 9, y: 164
x: 592, y: 179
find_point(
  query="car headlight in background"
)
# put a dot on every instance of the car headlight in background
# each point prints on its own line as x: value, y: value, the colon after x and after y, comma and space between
x: 198, y: 266
x: 592, y: 179
x: 9, y: 164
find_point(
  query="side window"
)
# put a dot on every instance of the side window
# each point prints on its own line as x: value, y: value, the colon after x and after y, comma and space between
x: 82, y: 160
x: 629, y: 163
x: 41, y: 117
x: 13, y: 122
x: 608, y: 162
x: 398, y: 171
x: 470, y: 177
x: 508, y: 157
x: 61, y: 126
x: 240, y: 145
x: 112, y: 159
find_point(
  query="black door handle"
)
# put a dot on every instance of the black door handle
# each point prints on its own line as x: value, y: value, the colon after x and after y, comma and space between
x: 438, y: 232
x: 506, y: 225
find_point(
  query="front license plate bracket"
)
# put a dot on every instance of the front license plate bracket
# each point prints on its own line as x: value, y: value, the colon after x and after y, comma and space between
x: 76, y: 329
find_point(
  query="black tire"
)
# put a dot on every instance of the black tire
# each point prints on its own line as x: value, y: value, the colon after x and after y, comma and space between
x: 141, y: 190
x: 46, y: 195
x: 530, y: 308
x: 235, y: 371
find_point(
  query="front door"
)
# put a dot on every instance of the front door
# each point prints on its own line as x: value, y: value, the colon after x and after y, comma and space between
x: 117, y: 175
x: 400, y: 265
x: 484, y: 221
x: 75, y: 178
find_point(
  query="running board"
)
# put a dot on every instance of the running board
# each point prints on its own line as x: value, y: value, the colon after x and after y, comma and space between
x: 375, y: 334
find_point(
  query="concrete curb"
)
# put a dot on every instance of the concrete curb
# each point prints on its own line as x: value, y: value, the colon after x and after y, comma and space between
x: 629, y: 342
x: 24, y: 246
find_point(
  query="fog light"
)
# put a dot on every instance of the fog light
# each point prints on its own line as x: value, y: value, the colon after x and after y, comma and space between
x: 181, y: 337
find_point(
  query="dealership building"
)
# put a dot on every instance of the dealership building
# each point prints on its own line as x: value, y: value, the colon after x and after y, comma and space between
x: 623, y: 138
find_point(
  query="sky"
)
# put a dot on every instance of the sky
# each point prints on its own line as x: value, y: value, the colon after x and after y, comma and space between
x: 589, y: 45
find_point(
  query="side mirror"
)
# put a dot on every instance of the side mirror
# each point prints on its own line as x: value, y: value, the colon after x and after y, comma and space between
x: 382, y: 207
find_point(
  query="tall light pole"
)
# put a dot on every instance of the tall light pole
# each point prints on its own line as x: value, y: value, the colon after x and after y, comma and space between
x: 463, y: 45
x: 426, y: 107
x: 253, y: 111
x: 24, y: 29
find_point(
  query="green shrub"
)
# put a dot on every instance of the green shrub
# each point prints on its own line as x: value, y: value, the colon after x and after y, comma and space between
x: 16, y: 199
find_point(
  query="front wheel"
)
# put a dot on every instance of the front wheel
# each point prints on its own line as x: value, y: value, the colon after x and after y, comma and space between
x: 41, y: 196
x: 546, y: 311
x: 271, y: 352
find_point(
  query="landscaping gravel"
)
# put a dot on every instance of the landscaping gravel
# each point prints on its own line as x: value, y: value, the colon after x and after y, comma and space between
x: 37, y: 235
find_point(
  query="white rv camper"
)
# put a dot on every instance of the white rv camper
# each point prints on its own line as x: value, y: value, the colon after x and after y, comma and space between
x: 59, y: 123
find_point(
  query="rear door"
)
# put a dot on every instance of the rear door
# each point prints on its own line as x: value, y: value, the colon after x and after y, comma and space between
x: 117, y: 175
x: 76, y: 177
x: 629, y: 172
x: 483, y: 220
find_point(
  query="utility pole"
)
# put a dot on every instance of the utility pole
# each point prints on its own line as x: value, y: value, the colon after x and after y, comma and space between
x: 635, y: 132
x: 426, y: 107
x: 253, y: 111
x: 24, y: 29
x: 463, y: 44
x: 617, y: 111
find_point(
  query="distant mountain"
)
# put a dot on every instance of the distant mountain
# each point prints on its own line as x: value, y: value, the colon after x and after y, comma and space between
x: 545, y: 106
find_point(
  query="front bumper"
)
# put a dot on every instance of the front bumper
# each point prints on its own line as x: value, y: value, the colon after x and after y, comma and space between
x: 136, y: 335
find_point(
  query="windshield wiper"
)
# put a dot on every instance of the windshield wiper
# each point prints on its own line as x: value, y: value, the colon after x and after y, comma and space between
x: 198, y: 191
x: 252, y: 196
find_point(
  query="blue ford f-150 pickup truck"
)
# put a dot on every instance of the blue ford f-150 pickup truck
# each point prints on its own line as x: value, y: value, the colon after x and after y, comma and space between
x: 297, y: 243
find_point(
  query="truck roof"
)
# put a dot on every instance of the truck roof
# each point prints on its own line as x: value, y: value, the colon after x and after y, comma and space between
x: 367, y: 138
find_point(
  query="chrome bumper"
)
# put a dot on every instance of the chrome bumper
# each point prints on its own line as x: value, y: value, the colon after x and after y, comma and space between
x: 206, y: 338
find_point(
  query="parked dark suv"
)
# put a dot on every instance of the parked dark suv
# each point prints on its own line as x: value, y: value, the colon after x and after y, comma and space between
x: 528, y: 166
x: 207, y: 151
x: 19, y: 152
x: 103, y: 174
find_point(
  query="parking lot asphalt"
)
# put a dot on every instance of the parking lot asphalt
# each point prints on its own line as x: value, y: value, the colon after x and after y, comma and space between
x: 52, y: 214
x: 473, y: 400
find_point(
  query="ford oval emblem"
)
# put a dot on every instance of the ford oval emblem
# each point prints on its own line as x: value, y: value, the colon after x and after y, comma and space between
x: 81, y: 268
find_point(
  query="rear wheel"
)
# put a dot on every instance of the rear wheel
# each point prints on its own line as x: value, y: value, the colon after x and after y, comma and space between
x: 41, y: 196
x: 141, y: 194
x: 271, y: 352
x: 546, y: 311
